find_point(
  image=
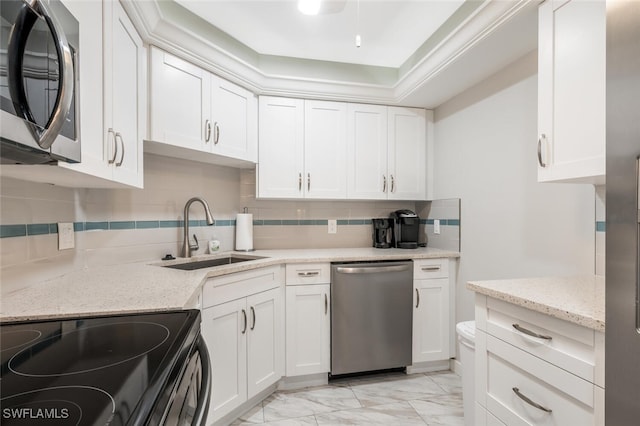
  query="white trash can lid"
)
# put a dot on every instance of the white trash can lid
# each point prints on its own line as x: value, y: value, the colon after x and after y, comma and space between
x: 467, y: 329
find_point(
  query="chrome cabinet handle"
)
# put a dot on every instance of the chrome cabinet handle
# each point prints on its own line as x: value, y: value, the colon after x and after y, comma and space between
x: 308, y: 274
x: 393, y: 184
x: 299, y: 182
x: 207, y: 128
x: 431, y: 268
x: 418, y: 298
x: 530, y: 333
x: 244, y: 314
x: 115, y: 145
x: 16, y: 48
x: 530, y: 402
x: 308, y: 181
x: 253, y: 315
x: 326, y: 304
x: 384, y: 183
x: 118, y: 135
x: 540, y: 139
x: 216, y: 138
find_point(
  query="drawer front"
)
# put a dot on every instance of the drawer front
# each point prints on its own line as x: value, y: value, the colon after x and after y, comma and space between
x: 223, y: 289
x: 516, y: 381
x: 308, y: 273
x: 430, y: 268
x: 567, y: 345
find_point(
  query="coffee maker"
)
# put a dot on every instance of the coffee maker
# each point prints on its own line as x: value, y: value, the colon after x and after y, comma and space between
x: 406, y: 229
x: 382, y: 232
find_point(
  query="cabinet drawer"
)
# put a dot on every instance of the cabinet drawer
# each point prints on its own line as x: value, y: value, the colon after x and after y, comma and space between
x: 512, y: 372
x: 430, y: 268
x: 308, y: 273
x: 223, y: 289
x: 567, y: 345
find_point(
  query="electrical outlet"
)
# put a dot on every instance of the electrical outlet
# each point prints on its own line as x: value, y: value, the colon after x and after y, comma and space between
x: 66, y: 236
x: 436, y: 226
x: 333, y: 226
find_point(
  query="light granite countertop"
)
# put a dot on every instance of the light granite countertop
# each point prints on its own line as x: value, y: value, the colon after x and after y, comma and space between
x: 146, y: 286
x: 577, y: 299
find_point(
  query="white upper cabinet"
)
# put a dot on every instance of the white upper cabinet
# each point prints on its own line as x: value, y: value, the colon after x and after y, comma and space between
x: 302, y: 149
x: 571, y: 91
x: 281, y: 148
x: 386, y: 153
x: 125, y: 74
x: 194, y: 109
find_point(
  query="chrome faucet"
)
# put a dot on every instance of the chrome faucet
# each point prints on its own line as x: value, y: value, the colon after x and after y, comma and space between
x: 186, y: 245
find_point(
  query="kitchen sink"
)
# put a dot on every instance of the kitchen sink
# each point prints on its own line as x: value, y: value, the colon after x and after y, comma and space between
x: 209, y: 263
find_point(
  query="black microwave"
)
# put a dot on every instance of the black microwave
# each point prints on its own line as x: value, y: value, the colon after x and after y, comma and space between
x: 39, y: 115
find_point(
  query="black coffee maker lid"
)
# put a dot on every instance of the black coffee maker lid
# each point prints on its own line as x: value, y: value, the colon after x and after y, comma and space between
x: 403, y: 213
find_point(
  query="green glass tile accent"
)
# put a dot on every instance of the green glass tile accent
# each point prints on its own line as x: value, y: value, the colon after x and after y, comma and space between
x: 453, y: 222
x: 7, y: 231
x: 601, y: 226
x: 53, y: 228
x: 356, y: 222
x: 429, y: 221
x: 147, y: 224
x: 343, y: 222
x: 307, y: 222
x: 225, y: 222
x: 38, y: 229
x: 323, y: 222
x: 91, y: 226
x: 273, y: 222
x: 194, y: 223
x: 290, y: 222
x: 125, y: 224
x: 77, y: 226
x: 368, y: 222
x: 170, y: 223
x: 256, y: 222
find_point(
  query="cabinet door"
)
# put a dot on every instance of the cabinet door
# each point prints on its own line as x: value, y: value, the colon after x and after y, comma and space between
x: 265, y: 345
x: 431, y: 320
x: 281, y: 147
x: 406, y: 155
x: 571, y: 91
x: 180, y: 101
x: 125, y: 95
x: 225, y: 329
x: 325, y: 150
x: 308, y: 326
x: 235, y: 121
x: 367, y: 152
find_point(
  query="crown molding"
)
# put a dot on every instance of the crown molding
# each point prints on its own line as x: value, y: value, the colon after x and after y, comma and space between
x: 183, y: 34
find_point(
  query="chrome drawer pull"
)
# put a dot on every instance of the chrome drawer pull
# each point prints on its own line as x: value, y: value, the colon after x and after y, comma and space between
x: 417, y: 298
x: 326, y: 304
x: 253, y: 315
x: 542, y: 138
x: 431, y: 268
x: 530, y: 402
x: 531, y: 333
x: 244, y: 314
x: 308, y: 274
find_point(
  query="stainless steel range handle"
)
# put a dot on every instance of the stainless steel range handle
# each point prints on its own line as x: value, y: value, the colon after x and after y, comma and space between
x: 530, y: 402
x: 204, y: 396
x: 119, y: 135
x: 530, y: 333
x: 253, y: 315
x: 244, y: 314
x: 15, y: 55
x: 371, y: 269
x: 115, y: 146
x: 540, y: 139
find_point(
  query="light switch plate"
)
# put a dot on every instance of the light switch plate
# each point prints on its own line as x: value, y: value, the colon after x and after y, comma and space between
x: 436, y: 226
x: 66, y: 236
x: 333, y: 226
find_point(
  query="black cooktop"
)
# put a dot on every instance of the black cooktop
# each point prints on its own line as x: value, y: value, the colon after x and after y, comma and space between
x: 112, y: 370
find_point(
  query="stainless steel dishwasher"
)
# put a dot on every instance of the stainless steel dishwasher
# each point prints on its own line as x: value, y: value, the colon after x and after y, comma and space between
x: 371, y: 316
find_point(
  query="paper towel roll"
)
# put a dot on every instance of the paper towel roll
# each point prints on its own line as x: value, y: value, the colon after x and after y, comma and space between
x: 244, y: 232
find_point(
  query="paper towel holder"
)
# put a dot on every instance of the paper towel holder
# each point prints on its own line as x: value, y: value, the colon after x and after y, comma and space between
x: 245, y: 210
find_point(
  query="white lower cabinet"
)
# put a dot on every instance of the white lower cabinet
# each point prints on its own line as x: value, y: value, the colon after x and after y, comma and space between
x: 431, y: 311
x: 533, y: 369
x: 245, y: 337
x: 308, y: 319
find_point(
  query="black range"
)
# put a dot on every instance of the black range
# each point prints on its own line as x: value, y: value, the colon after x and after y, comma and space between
x: 111, y: 370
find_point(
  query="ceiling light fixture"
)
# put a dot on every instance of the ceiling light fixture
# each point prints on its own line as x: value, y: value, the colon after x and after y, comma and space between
x: 309, y: 7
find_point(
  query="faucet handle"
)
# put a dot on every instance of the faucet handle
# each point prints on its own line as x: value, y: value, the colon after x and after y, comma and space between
x: 194, y: 246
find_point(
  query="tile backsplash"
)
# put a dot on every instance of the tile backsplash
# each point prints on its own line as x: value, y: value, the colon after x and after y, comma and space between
x: 126, y: 225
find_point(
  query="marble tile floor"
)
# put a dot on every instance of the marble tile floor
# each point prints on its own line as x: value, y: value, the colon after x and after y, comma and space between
x: 433, y: 399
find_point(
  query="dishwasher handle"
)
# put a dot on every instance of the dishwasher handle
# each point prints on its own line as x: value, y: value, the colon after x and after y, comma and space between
x: 372, y: 269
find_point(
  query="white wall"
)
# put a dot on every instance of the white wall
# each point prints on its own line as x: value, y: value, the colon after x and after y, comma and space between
x: 511, y: 226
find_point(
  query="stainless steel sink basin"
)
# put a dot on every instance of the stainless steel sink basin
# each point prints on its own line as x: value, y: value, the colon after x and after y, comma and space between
x: 218, y: 261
